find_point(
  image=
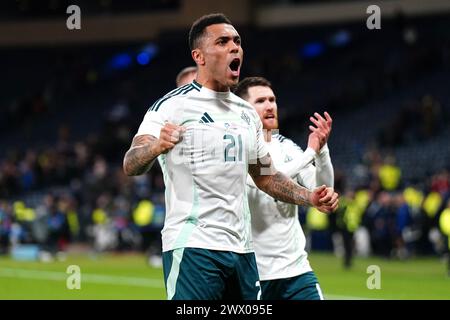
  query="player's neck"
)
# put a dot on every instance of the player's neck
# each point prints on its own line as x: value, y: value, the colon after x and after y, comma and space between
x: 268, y: 135
x: 208, y: 82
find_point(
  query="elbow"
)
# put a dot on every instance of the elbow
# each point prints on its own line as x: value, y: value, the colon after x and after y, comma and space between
x: 261, y: 182
x: 126, y: 171
x: 126, y: 168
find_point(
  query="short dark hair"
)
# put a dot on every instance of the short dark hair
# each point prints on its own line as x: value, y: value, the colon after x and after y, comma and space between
x: 241, y: 89
x: 199, y: 26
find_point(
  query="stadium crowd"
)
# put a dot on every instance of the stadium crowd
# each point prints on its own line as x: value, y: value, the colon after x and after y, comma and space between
x: 70, y: 193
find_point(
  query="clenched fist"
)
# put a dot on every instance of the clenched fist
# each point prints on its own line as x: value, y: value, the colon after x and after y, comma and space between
x: 169, y: 136
x: 324, y: 199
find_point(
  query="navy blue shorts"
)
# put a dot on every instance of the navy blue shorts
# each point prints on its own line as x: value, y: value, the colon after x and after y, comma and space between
x: 201, y: 274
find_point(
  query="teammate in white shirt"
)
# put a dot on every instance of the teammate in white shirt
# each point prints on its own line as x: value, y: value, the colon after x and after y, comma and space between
x: 207, y: 140
x: 278, y: 238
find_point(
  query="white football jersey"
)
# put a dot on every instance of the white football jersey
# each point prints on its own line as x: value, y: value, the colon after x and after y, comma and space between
x: 278, y: 237
x: 205, y: 174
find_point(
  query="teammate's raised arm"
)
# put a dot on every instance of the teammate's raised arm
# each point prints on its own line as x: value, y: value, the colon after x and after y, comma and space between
x: 282, y: 188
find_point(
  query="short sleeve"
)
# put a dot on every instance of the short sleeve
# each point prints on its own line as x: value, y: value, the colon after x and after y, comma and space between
x: 152, y: 124
x: 161, y: 112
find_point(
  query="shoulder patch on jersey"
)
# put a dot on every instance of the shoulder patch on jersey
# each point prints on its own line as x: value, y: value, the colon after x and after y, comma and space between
x: 176, y: 92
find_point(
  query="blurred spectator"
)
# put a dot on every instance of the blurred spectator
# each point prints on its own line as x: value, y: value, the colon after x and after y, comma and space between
x: 444, y: 224
x: 380, y: 221
x: 103, y: 231
x: 389, y: 174
x: 403, y: 222
x: 5, y: 226
x: 349, y: 217
x: 58, y: 233
x: 440, y: 182
x: 318, y: 232
x: 148, y: 217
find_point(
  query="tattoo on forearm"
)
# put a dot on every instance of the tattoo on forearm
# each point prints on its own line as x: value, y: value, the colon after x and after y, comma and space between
x: 140, y: 157
x: 284, y: 189
x: 277, y: 184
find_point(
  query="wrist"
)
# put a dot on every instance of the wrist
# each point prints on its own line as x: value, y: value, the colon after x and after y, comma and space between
x: 155, y: 149
x: 324, y: 149
x: 309, y: 198
x: 315, y: 149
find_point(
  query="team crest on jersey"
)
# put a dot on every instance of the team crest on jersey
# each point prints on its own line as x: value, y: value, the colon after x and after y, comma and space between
x: 287, y: 159
x: 230, y: 126
x: 245, y: 117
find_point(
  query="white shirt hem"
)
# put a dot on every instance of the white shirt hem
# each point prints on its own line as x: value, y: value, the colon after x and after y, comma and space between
x: 284, y: 275
x: 217, y: 248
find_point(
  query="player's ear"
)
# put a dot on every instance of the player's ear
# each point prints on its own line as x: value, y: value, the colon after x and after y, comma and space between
x: 198, y: 57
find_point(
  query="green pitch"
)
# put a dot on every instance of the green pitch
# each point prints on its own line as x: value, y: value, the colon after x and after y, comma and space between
x: 129, y: 277
x: 419, y: 278
x: 102, y: 277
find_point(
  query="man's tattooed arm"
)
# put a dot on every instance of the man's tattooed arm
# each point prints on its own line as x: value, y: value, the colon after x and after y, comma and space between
x: 276, y: 184
x: 145, y: 148
x: 141, y: 155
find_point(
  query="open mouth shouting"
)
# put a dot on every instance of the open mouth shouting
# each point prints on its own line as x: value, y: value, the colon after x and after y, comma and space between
x: 235, y: 67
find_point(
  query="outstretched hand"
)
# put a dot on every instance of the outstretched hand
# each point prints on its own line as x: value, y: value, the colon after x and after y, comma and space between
x: 322, y: 127
x: 325, y: 199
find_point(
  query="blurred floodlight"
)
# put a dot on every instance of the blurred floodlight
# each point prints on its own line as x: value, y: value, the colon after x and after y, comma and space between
x: 340, y: 38
x: 143, y: 58
x: 121, y: 61
x: 312, y: 50
x: 147, y: 53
